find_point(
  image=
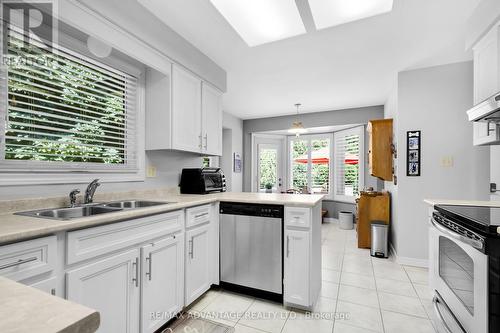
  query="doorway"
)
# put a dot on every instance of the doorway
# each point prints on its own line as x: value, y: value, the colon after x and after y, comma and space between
x: 268, y: 166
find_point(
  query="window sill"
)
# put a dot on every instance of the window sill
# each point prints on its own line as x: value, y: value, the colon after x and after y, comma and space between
x: 39, y: 178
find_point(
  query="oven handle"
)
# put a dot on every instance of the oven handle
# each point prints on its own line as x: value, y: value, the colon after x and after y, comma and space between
x: 438, y: 299
x: 472, y: 242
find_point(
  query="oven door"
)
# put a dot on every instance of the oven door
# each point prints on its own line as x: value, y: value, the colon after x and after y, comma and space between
x: 459, y: 274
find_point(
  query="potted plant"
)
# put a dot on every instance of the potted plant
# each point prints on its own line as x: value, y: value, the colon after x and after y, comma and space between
x: 269, y: 188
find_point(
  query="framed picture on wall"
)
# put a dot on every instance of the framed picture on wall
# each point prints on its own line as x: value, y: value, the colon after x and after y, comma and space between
x: 237, y: 162
x: 413, y: 153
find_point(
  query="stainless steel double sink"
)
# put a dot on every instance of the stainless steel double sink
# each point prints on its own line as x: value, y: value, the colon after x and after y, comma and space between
x: 69, y: 213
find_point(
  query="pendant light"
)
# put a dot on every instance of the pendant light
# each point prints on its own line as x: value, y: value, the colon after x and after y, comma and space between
x: 297, y: 127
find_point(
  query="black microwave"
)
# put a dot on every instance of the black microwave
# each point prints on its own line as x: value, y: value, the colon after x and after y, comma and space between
x: 202, y: 181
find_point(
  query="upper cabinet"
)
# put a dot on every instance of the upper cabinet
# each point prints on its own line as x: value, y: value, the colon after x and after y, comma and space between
x: 186, y: 111
x: 380, y: 148
x: 211, y: 107
x: 486, y: 81
x: 182, y: 113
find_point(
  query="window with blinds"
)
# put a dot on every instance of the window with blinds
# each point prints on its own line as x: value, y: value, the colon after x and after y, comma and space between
x: 348, y: 163
x: 64, y: 110
x: 309, y: 163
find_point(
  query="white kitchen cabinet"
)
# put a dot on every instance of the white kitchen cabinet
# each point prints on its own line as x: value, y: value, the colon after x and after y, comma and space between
x: 112, y: 287
x: 197, y: 279
x: 162, y: 281
x: 182, y: 112
x: 302, y: 256
x: 486, y: 81
x: 296, y: 270
x: 186, y: 111
x: 211, y: 120
x: 47, y: 285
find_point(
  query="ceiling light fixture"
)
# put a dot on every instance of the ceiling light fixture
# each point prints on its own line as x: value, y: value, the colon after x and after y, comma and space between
x: 329, y: 13
x: 297, y: 127
x: 262, y: 21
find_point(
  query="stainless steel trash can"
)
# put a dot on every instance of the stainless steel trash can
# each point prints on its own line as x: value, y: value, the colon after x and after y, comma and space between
x: 380, y: 239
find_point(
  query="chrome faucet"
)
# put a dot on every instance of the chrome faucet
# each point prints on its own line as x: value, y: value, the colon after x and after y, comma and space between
x: 89, y: 192
x: 72, y: 197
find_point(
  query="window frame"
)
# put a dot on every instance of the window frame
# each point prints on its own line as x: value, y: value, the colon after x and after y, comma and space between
x: 309, y: 138
x: 59, y: 173
x: 358, y: 130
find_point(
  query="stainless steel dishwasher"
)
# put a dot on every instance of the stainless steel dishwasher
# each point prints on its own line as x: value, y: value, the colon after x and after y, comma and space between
x: 251, y: 249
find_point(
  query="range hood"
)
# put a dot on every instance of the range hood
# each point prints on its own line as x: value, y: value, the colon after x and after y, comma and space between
x: 487, y: 111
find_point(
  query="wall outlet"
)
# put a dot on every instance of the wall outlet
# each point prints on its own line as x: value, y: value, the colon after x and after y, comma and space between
x: 151, y: 171
x: 447, y: 161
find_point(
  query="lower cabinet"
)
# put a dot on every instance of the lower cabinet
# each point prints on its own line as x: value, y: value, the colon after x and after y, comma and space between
x: 296, y: 270
x: 162, y: 281
x: 48, y: 285
x: 111, y: 286
x: 198, y: 251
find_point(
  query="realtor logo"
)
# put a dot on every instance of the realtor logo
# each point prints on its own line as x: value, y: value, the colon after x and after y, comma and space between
x: 31, y: 20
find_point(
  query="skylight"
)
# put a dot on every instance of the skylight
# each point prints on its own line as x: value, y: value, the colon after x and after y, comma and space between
x: 262, y: 21
x: 329, y: 13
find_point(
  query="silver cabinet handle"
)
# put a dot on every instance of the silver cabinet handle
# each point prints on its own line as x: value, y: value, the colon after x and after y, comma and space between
x: 287, y: 246
x: 201, y: 141
x: 53, y: 291
x: 435, y: 301
x: 17, y: 263
x: 191, y: 248
x: 135, y: 280
x: 206, y: 140
x: 201, y: 215
x: 472, y: 242
x: 149, y: 259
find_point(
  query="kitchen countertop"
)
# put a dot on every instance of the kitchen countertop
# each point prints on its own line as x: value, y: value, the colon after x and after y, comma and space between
x: 15, y: 228
x: 434, y: 202
x: 40, y: 312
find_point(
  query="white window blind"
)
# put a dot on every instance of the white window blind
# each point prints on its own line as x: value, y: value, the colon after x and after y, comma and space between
x: 65, y: 111
x: 348, y: 163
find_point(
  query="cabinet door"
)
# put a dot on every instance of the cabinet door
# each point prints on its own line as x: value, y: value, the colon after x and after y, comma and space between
x: 110, y: 286
x: 296, y: 274
x: 48, y: 285
x: 162, y: 281
x: 486, y: 81
x: 186, y: 111
x: 212, y: 120
x: 197, y: 262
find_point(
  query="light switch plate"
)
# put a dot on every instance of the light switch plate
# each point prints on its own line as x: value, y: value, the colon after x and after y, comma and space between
x: 151, y: 171
x: 447, y: 161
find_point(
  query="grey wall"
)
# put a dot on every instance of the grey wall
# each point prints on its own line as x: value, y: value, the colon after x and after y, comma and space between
x: 434, y: 100
x: 235, y: 125
x: 317, y: 119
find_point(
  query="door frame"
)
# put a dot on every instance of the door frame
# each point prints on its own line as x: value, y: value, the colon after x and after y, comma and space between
x: 255, y: 138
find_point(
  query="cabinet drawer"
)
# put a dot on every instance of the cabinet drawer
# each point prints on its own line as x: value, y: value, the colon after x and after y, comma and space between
x: 298, y: 217
x: 24, y: 260
x: 198, y: 215
x: 92, y: 242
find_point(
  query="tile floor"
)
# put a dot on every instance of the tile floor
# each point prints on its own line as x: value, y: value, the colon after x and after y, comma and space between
x: 359, y: 294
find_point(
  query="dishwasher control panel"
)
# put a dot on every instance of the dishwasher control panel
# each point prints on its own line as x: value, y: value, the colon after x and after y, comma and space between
x: 238, y: 208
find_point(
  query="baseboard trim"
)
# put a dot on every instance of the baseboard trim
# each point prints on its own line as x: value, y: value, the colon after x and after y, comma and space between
x: 330, y: 220
x: 424, y: 263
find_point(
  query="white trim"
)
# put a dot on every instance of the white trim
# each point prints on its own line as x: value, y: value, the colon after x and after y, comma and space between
x: 78, y: 177
x: 330, y: 220
x: 407, y: 261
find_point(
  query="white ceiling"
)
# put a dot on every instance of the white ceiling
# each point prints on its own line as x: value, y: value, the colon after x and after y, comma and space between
x: 351, y: 65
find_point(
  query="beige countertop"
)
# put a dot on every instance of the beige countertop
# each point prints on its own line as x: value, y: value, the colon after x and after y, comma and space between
x: 434, y: 202
x: 40, y: 312
x: 16, y: 227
